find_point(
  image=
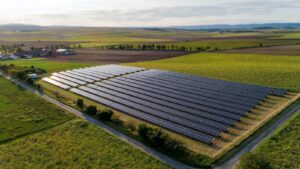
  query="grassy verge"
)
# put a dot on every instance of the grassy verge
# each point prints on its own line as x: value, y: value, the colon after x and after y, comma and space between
x: 267, y: 70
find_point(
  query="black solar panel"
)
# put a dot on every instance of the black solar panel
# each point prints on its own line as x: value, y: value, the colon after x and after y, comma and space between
x: 197, y: 107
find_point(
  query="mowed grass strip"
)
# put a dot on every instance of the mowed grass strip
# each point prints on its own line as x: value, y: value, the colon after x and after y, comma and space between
x: 76, y: 144
x: 23, y: 113
x: 282, y: 149
x: 50, y: 66
x: 267, y: 70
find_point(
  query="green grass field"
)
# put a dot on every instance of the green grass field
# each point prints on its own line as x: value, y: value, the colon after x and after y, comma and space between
x: 49, y: 66
x: 76, y: 144
x: 22, y: 113
x: 282, y: 149
x: 267, y: 70
x: 37, y: 134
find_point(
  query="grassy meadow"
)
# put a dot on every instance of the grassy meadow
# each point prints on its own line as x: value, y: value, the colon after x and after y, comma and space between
x: 282, y: 149
x: 37, y: 134
x: 76, y: 144
x: 23, y: 113
x: 49, y: 66
x: 267, y: 70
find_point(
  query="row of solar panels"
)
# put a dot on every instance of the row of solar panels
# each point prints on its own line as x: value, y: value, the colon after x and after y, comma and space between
x: 78, y: 77
x: 215, y: 82
x: 198, y: 108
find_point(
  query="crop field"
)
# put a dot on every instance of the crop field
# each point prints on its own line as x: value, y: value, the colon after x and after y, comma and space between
x: 49, y: 66
x: 114, y: 56
x: 37, y: 134
x: 282, y: 149
x: 292, y: 50
x: 283, y: 72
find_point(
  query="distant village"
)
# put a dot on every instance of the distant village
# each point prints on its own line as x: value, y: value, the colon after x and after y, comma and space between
x: 35, y: 52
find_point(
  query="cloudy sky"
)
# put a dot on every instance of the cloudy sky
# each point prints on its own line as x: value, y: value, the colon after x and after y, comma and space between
x: 147, y: 13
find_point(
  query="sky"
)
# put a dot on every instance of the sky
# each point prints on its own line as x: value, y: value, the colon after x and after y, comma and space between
x: 154, y: 13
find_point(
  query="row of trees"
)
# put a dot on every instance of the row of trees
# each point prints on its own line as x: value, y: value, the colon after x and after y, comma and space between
x: 156, y: 47
x: 10, y: 48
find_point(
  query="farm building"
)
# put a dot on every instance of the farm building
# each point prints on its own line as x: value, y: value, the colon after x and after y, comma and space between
x: 34, y: 53
x: 65, y: 51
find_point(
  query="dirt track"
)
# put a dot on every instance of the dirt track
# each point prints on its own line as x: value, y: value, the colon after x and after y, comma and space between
x: 116, y: 56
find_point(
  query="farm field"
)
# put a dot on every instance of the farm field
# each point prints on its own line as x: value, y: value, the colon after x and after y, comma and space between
x: 49, y: 66
x: 292, y: 50
x: 22, y: 113
x: 283, y: 72
x: 281, y: 150
x: 37, y: 134
x: 76, y: 144
x: 114, y: 56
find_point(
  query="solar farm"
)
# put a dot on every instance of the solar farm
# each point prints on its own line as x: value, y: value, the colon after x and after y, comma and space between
x: 195, y: 107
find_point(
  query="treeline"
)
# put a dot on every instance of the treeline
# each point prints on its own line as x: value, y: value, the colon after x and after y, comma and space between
x: 23, y: 73
x: 157, y: 47
x: 10, y: 48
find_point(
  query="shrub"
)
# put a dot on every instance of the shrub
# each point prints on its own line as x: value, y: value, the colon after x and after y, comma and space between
x: 131, y: 127
x: 80, y: 103
x: 159, y: 139
x: 253, y: 161
x: 91, y: 110
x: 156, y: 137
x: 118, y: 122
x: 106, y: 115
x: 143, y: 131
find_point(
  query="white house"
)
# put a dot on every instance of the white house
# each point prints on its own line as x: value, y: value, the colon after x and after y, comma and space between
x: 14, y: 57
x: 65, y: 51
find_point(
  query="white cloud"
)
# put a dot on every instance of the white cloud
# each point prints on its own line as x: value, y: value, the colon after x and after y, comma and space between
x: 149, y: 13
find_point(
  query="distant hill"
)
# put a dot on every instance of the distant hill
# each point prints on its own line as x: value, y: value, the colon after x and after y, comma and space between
x: 21, y: 27
x: 217, y: 27
x: 242, y: 26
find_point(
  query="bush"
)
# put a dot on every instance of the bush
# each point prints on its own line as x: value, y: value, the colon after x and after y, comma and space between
x: 156, y: 137
x: 91, y: 110
x: 253, y: 161
x: 131, y: 127
x: 159, y: 139
x: 80, y: 103
x: 105, y: 115
x: 143, y: 131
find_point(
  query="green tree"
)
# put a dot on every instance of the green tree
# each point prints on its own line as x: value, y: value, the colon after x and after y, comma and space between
x: 80, y: 103
x: 254, y: 161
x: 105, y: 115
x: 91, y: 110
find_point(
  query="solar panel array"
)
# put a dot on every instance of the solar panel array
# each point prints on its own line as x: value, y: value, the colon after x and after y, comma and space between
x: 197, y: 107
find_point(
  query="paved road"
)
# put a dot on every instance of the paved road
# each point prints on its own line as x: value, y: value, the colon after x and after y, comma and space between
x: 229, y: 164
